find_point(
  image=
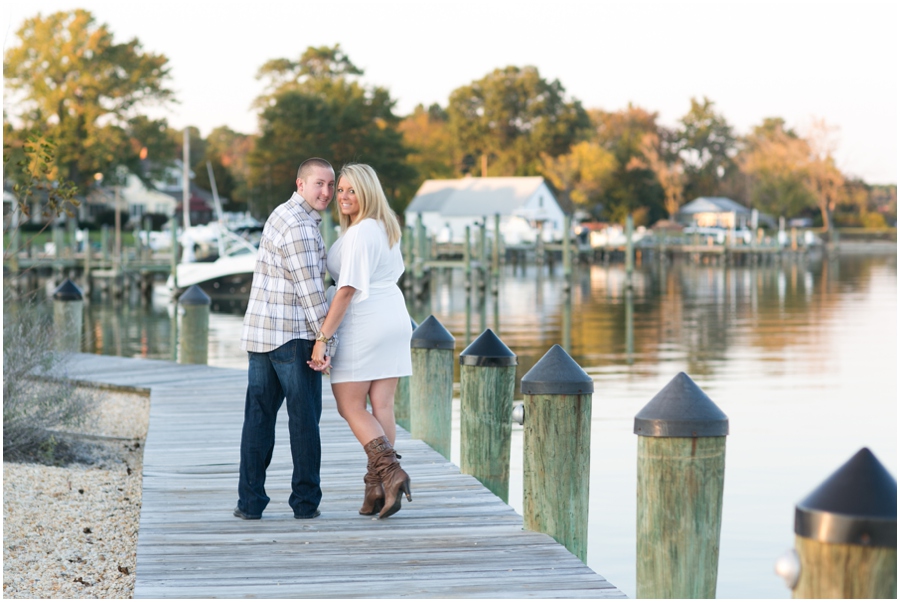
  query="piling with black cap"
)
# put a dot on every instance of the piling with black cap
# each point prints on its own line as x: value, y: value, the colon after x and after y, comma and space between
x: 431, y: 385
x: 680, y: 482
x: 401, y: 397
x: 193, y: 307
x: 557, y: 449
x: 68, y: 316
x: 846, y: 534
x: 487, y: 381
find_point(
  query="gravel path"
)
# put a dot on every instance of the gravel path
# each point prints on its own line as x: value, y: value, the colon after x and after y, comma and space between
x: 71, y: 532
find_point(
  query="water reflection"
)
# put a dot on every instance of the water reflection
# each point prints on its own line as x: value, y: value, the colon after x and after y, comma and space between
x: 802, y: 357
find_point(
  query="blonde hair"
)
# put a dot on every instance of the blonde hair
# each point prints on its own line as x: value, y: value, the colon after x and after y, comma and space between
x: 372, y: 201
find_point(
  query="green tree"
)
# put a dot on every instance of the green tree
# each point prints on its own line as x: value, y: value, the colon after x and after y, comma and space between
x: 71, y: 81
x: 707, y: 147
x: 511, y: 116
x: 315, y: 107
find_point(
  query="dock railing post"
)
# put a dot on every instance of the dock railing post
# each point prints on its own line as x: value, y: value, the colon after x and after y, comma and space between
x: 193, y: 307
x: 88, y: 252
x: 68, y: 316
x: 495, y: 257
x: 567, y: 253
x: 431, y: 385
x: 557, y: 449
x: 467, y: 257
x: 401, y: 397
x: 629, y: 249
x: 846, y: 535
x: 487, y: 381
x: 680, y: 481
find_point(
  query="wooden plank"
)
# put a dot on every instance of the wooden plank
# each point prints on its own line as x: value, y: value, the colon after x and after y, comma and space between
x: 455, y: 539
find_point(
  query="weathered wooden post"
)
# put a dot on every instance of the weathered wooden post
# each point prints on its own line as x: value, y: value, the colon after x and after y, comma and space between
x: 68, y: 316
x: 846, y: 535
x: 193, y: 307
x: 431, y: 385
x: 680, y: 481
x: 487, y: 381
x: 401, y: 397
x: 557, y: 449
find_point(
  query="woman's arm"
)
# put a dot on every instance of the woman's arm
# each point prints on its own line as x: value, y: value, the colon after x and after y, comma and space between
x: 339, y: 305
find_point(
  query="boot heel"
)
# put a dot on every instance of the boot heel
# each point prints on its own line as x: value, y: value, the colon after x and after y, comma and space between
x: 404, y: 487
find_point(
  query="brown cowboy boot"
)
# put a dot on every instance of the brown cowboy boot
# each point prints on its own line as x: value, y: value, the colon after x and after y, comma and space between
x: 374, y: 496
x: 393, y: 478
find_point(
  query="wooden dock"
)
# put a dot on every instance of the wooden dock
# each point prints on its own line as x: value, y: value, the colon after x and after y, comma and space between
x: 455, y: 539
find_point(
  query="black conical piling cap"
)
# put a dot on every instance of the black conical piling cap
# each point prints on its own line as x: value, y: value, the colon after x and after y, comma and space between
x: 487, y: 350
x: 431, y: 334
x: 681, y: 409
x: 856, y: 505
x: 557, y: 374
x: 67, y: 291
x: 194, y: 296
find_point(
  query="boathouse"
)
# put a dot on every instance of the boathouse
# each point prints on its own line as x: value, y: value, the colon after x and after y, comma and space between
x: 714, y: 212
x: 526, y: 206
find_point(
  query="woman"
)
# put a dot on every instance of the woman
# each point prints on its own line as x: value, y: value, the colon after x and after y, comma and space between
x: 368, y: 313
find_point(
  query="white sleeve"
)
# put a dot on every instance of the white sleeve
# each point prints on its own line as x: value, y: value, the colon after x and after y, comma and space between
x: 359, y: 256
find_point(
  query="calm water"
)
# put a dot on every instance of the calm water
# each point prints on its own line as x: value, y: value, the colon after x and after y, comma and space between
x: 802, y: 358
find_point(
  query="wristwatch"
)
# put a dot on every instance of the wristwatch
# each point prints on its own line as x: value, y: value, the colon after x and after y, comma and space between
x: 320, y: 336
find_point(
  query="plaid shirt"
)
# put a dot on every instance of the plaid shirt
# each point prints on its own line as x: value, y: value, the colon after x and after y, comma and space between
x: 287, y: 298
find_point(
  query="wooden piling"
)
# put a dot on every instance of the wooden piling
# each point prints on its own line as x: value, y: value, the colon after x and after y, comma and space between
x: 193, y: 308
x: 487, y: 379
x: 557, y: 449
x: 431, y: 385
x: 401, y: 397
x: 680, y: 482
x: 846, y: 534
x: 68, y: 316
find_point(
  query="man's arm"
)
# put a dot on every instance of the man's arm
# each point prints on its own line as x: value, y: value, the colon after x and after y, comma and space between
x: 301, y: 254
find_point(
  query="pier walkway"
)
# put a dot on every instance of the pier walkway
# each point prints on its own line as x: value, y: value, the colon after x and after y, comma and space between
x: 455, y: 539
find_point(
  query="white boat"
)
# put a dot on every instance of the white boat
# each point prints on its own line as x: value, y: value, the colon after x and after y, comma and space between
x: 227, y: 277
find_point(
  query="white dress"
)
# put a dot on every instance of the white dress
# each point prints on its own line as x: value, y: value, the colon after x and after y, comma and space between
x: 373, y: 338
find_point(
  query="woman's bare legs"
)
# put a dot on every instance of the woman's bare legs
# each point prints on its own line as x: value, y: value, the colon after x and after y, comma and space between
x: 384, y: 480
x: 351, y: 404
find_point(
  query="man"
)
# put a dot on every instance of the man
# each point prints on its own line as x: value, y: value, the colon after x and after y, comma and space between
x: 286, y: 310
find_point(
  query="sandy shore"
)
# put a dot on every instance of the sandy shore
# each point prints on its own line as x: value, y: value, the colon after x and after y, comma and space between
x: 71, y: 532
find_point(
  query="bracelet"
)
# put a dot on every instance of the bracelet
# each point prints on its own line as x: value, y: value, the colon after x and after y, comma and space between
x: 320, y: 336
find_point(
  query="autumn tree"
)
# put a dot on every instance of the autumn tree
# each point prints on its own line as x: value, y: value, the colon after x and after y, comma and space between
x: 315, y: 106
x: 228, y: 152
x: 511, y: 116
x: 632, y: 188
x: 666, y: 166
x: 581, y: 175
x: 433, y: 154
x: 789, y: 172
x: 69, y: 80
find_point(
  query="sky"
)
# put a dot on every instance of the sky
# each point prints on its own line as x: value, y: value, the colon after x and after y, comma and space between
x: 802, y: 61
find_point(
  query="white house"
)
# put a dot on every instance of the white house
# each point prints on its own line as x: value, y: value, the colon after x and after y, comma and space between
x: 525, y: 205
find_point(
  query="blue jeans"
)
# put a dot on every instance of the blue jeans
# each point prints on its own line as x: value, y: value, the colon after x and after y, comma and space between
x: 273, y: 377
